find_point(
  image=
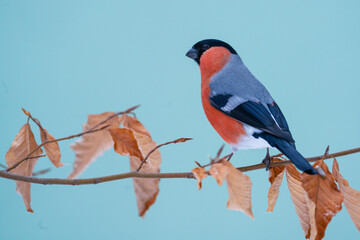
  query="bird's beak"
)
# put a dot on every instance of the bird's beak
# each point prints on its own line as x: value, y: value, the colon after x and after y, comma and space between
x: 192, y: 53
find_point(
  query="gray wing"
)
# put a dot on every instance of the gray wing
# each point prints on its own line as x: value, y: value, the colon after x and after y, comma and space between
x: 237, y: 93
x: 236, y: 79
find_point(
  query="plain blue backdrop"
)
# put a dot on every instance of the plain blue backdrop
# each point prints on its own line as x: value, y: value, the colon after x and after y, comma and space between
x: 62, y: 60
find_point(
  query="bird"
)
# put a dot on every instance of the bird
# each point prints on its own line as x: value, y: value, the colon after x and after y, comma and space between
x: 238, y: 105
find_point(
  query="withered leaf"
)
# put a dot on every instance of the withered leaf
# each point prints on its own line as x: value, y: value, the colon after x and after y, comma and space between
x: 125, y: 142
x: 52, y: 149
x: 298, y: 196
x: 199, y: 173
x: 219, y: 171
x: 23, y: 144
x: 134, y: 124
x: 238, y: 184
x: 352, y: 197
x: 323, y: 198
x: 276, y: 175
x: 92, y: 145
x: 239, y: 187
x: 146, y: 190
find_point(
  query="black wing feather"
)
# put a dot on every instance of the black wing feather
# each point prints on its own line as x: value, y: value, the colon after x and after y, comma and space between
x: 256, y: 115
x: 278, y: 115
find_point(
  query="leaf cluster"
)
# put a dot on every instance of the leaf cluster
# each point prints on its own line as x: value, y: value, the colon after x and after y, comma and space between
x: 317, y: 199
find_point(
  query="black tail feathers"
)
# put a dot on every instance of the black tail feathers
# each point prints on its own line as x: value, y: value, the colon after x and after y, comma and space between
x: 289, y: 150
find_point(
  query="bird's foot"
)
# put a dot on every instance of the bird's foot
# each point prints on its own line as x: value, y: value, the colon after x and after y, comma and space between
x: 267, y: 160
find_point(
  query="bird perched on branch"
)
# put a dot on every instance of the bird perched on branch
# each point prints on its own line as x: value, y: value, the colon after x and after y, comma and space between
x: 238, y: 106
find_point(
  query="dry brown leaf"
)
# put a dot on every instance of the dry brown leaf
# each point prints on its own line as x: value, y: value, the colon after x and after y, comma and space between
x: 134, y: 124
x: 323, y: 198
x: 352, y: 197
x: 146, y: 190
x: 276, y: 175
x: 92, y: 145
x: 298, y: 196
x: 52, y: 149
x: 125, y: 142
x: 239, y: 186
x: 199, y: 173
x: 219, y: 171
x: 23, y: 144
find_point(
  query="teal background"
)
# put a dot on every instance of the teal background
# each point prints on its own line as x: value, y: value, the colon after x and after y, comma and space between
x: 62, y: 60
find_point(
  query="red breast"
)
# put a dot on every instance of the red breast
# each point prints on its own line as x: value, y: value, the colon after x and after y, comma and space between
x: 211, y: 62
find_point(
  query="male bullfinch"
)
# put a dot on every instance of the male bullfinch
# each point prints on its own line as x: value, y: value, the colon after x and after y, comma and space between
x: 238, y: 106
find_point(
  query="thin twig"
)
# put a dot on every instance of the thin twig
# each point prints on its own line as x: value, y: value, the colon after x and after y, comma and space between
x: 135, y: 174
x: 41, y: 172
x: 37, y: 122
x: 34, y: 173
x: 220, y: 151
x: 40, y: 156
x: 159, y: 146
x: 91, y: 130
x: 215, y: 160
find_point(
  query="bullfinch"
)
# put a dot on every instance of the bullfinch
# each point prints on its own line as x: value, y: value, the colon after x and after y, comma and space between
x: 238, y: 105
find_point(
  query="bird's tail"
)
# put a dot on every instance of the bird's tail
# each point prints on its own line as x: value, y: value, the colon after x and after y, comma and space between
x: 289, y: 150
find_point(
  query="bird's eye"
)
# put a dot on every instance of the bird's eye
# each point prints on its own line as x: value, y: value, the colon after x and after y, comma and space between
x: 205, y: 46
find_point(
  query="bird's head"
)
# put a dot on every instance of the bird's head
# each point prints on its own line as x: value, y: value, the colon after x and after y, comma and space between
x: 207, y: 45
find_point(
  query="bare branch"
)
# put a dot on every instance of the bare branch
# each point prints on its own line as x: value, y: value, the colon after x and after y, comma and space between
x: 135, y: 174
x: 311, y: 159
x: 159, y: 146
x: 40, y: 156
x: 217, y: 159
x: 97, y: 180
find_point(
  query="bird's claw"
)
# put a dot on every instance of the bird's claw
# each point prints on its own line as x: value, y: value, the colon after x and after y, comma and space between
x: 267, y: 160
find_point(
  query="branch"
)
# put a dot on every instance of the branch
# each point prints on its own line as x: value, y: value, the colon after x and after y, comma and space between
x: 85, y: 181
x: 135, y: 174
x: 40, y: 156
x: 91, y: 130
x: 311, y: 159
x: 159, y: 146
